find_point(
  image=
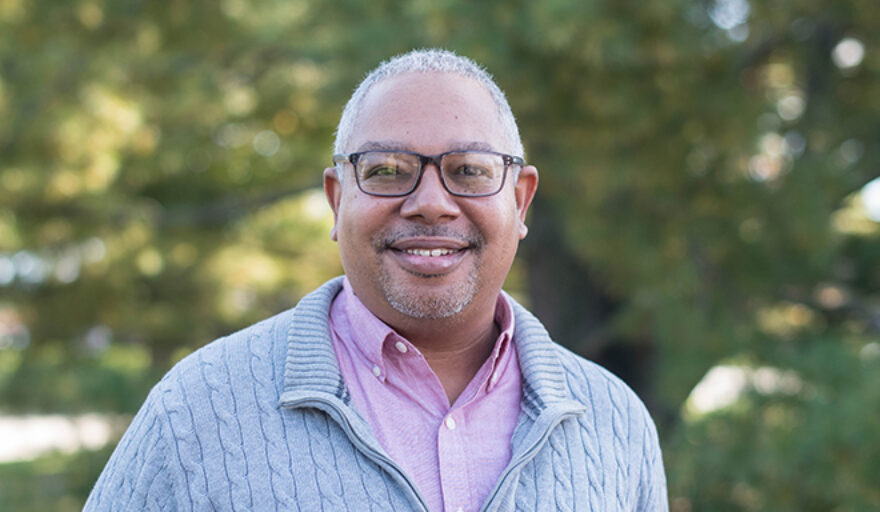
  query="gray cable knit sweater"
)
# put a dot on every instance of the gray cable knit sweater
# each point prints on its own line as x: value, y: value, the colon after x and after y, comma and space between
x: 261, y: 420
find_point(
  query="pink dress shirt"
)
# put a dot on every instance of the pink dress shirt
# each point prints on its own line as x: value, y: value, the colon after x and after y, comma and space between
x: 453, y: 454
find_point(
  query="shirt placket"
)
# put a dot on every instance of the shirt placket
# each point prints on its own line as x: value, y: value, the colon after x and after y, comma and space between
x: 452, y: 440
x: 452, y: 456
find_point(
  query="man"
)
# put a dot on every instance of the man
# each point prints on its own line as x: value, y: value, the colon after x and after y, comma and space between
x: 414, y: 383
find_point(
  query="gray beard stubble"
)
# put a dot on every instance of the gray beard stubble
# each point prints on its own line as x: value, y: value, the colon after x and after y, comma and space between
x: 428, y: 306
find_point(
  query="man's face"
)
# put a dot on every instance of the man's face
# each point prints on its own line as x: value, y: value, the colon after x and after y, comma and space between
x: 429, y: 254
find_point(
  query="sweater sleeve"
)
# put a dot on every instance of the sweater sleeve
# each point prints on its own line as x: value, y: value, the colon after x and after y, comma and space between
x: 137, y: 475
x: 652, y: 493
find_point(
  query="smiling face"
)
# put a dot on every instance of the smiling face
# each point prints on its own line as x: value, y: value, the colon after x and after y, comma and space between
x: 428, y: 255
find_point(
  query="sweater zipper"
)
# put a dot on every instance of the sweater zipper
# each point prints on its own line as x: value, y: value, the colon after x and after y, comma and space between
x: 525, y: 457
x: 359, y: 442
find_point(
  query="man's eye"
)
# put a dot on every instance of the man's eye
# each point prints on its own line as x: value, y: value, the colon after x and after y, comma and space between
x: 470, y: 171
x: 382, y: 171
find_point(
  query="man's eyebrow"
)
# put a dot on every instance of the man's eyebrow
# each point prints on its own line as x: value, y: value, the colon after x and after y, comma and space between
x: 397, y: 146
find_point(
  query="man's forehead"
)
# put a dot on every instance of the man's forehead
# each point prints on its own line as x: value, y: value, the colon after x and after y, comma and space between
x: 430, y: 87
x: 428, y: 112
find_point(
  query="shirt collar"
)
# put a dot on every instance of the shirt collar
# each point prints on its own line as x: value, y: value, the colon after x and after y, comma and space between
x: 368, y: 332
x: 311, y: 368
x: 502, y: 349
x: 372, y: 335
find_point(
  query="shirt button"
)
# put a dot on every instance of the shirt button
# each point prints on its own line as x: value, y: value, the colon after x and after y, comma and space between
x: 377, y: 371
x: 400, y: 347
x: 495, y: 378
x: 459, y: 509
x: 450, y: 423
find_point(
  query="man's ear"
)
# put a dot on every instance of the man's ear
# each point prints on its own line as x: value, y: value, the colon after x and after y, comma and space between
x: 333, y: 191
x: 524, y: 191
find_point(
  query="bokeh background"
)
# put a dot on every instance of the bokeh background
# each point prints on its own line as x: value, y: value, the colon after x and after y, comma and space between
x: 707, y: 224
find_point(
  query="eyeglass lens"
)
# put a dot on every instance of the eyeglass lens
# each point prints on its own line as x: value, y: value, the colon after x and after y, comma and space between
x: 464, y: 173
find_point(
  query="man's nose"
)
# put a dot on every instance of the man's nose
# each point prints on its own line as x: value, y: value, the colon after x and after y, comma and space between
x: 430, y: 201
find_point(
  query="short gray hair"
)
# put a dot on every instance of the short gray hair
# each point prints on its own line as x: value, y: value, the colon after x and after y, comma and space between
x: 426, y: 61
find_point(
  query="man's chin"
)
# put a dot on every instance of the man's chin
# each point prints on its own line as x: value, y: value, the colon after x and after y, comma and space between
x: 429, y: 302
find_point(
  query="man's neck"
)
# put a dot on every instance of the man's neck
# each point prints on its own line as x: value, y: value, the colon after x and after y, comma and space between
x: 456, y: 348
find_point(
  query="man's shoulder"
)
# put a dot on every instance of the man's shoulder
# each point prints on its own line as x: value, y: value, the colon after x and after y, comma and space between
x: 586, y: 381
x: 254, y: 351
x: 583, y: 374
x: 611, y: 405
x: 252, y: 348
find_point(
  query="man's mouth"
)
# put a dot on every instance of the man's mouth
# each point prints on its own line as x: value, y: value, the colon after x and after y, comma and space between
x: 428, y: 251
x: 431, y: 252
x: 429, y: 256
x: 429, y: 242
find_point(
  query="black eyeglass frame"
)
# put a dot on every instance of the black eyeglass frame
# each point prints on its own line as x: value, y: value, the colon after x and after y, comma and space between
x: 424, y: 160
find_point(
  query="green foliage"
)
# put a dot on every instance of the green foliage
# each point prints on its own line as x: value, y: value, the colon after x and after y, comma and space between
x: 160, y: 165
x: 115, y: 381
x: 809, y: 448
x: 55, y: 482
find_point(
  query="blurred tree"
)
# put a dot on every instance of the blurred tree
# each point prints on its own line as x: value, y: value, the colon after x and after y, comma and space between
x: 157, y: 171
x: 701, y: 163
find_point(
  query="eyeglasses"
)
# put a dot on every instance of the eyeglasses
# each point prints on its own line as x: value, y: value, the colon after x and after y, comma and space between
x: 398, y: 173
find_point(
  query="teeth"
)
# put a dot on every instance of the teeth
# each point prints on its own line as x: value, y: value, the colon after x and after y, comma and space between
x: 429, y: 252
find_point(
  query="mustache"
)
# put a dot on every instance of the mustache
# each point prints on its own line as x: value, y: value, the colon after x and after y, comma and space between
x: 386, y: 238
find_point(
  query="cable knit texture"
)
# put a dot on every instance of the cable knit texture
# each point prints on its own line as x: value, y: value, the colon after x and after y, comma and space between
x: 261, y: 421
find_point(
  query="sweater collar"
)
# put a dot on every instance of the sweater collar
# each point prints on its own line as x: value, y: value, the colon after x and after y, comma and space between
x: 311, y: 366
